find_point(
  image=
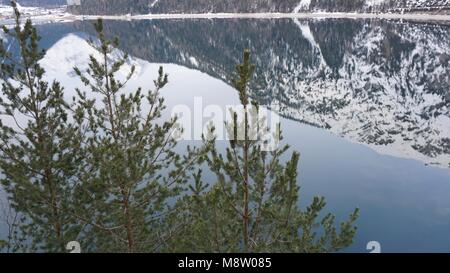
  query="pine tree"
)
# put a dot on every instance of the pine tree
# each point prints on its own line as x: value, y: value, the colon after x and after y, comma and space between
x: 38, y: 147
x: 105, y: 173
x: 253, y: 205
x: 131, y: 168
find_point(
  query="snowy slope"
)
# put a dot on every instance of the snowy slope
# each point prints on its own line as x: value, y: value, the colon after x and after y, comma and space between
x: 385, y: 84
x: 181, y: 89
x: 403, y: 112
x: 6, y: 11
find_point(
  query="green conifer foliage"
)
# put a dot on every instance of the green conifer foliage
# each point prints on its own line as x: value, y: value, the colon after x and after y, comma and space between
x: 106, y: 172
x: 38, y: 148
x: 131, y: 168
x: 253, y: 206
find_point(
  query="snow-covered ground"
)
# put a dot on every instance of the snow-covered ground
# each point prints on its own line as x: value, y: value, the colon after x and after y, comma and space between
x: 6, y: 11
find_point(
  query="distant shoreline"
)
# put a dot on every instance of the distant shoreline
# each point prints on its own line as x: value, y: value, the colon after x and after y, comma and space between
x: 318, y: 15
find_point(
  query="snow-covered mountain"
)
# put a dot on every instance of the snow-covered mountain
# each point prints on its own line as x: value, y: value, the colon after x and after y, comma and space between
x: 388, y: 87
x: 384, y: 84
x: 233, y: 6
x: 380, y: 83
x: 390, y: 90
x: 62, y: 56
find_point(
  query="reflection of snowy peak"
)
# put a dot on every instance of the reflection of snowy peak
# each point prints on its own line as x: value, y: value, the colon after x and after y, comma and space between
x: 74, y: 51
x: 391, y: 91
x: 60, y: 57
x: 382, y: 83
x: 63, y: 56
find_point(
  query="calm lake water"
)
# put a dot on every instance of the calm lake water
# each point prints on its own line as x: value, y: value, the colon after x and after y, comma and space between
x: 366, y: 102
